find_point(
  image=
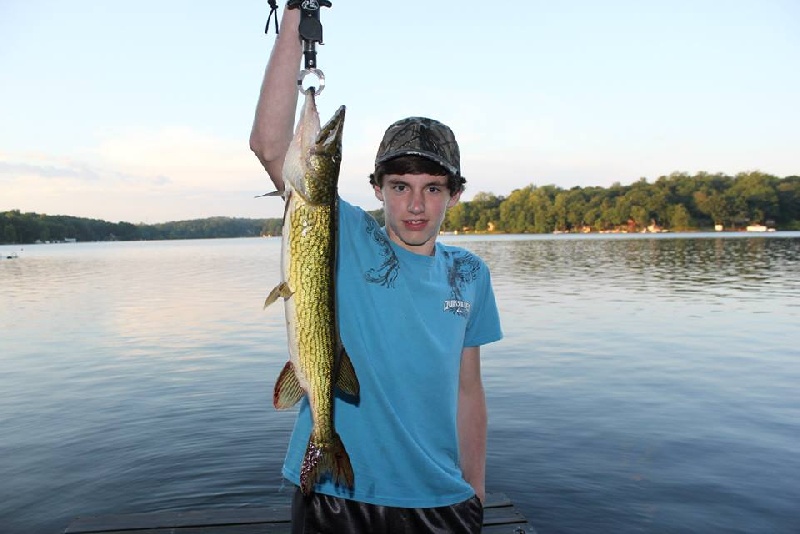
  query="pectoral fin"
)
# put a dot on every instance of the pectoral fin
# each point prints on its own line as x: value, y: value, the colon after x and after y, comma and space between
x: 272, y: 194
x: 281, y: 290
x: 287, y: 389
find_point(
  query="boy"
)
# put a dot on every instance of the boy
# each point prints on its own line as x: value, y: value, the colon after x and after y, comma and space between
x: 413, y: 314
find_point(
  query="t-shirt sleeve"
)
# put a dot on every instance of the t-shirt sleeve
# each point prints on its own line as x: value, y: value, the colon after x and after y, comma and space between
x: 484, y: 320
x: 348, y: 215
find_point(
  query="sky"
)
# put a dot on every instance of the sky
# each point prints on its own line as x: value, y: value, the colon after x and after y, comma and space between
x: 141, y: 111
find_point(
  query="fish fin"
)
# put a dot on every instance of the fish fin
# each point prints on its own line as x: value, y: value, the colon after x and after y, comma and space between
x: 281, y: 290
x: 324, y: 458
x: 347, y: 380
x: 272, y: 194
x: 288, y: 391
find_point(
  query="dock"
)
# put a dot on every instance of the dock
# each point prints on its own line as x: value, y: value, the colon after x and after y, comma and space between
x: 500, y: 517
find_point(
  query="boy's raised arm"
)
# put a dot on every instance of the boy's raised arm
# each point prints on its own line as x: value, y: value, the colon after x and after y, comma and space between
x: 274, y: 119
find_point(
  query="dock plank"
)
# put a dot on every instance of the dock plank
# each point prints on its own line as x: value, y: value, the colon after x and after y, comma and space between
x: 255, y: 528
x: 157, y: 520
x: 500, y: 517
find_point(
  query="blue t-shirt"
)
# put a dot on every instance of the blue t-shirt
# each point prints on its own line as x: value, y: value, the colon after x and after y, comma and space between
x: 404, y: 319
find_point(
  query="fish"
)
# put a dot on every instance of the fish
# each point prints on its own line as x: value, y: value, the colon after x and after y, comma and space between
x: 318, y: 363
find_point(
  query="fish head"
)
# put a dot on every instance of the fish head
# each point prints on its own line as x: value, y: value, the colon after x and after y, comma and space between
x: 325, y: 159
x: 311, y: 167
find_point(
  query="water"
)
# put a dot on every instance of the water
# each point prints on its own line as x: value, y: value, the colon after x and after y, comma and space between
x: 646, y: 384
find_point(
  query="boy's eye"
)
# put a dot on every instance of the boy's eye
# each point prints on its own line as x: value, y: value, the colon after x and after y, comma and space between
x: 399, y: 187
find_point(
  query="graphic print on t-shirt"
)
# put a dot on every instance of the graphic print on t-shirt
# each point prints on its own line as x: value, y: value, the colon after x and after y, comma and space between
x: 386, y: 274
x: 462, y: 269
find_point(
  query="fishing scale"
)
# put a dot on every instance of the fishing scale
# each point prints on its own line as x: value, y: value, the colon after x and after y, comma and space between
x: 310, y: 33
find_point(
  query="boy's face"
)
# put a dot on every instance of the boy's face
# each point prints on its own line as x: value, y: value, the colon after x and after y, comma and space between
x: 414, y: 206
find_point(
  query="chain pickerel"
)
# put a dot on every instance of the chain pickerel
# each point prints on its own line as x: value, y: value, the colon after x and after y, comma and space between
x: 318, y: 362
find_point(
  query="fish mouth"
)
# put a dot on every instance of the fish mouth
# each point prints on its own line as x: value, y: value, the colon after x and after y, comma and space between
x: 329, y: 139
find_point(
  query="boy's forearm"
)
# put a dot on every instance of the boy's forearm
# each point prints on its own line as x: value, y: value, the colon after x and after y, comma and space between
x: 472, y: 422
x: 274, y: 118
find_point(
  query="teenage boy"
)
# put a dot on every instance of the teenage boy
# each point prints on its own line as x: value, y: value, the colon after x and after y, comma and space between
x: 413, y: 314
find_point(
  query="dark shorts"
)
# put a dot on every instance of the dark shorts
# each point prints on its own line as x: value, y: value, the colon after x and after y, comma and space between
x: 323, y: 514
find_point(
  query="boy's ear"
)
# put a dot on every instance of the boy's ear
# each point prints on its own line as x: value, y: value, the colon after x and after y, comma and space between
x: 378, y: 192
x: 454, y: 199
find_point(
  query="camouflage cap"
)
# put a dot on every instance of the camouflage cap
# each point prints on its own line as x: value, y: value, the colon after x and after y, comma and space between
x: 420, y: 136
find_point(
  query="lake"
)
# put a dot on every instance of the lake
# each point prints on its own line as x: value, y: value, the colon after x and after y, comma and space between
x: 646, y: 383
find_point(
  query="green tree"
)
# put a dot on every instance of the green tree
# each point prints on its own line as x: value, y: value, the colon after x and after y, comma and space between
x: 541, y: 201
x: 516, y: 216
x: 458, y: 217
x: 789, y: 201
x: 678, y: 218
x: 716, y: 206
x: 757, y: 196
x: 9, y: 233
x: 485, y: 210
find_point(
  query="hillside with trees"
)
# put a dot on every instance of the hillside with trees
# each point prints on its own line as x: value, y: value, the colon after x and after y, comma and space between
x: 16, y: 227
x: 678, y: 202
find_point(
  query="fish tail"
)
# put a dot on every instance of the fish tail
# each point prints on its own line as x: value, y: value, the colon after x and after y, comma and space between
x: 325, y: 457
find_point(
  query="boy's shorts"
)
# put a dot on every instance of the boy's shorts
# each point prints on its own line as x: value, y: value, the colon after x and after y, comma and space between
x: 324, y: 514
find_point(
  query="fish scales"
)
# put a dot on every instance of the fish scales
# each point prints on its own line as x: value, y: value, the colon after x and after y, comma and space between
x: 311, y: 279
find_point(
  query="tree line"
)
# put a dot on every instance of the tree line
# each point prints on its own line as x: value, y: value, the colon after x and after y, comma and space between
x: 21, y: 228
x: 677, y: 202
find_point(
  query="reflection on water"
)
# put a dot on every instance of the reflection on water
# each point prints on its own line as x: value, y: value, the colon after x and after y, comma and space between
x: 646, y: 384
x: 675, y: 265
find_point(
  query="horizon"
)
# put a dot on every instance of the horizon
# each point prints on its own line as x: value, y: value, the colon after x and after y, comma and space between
x: 499, y: 196
x: 152, y: 123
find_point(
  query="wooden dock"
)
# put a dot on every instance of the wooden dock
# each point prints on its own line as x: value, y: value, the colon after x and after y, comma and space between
x: 500, y: 517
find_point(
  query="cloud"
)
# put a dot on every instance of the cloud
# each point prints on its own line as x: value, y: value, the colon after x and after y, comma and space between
x: 170, y: 157
x: 190, y: 158
x: 26, y: 169
x: 144, y: 175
